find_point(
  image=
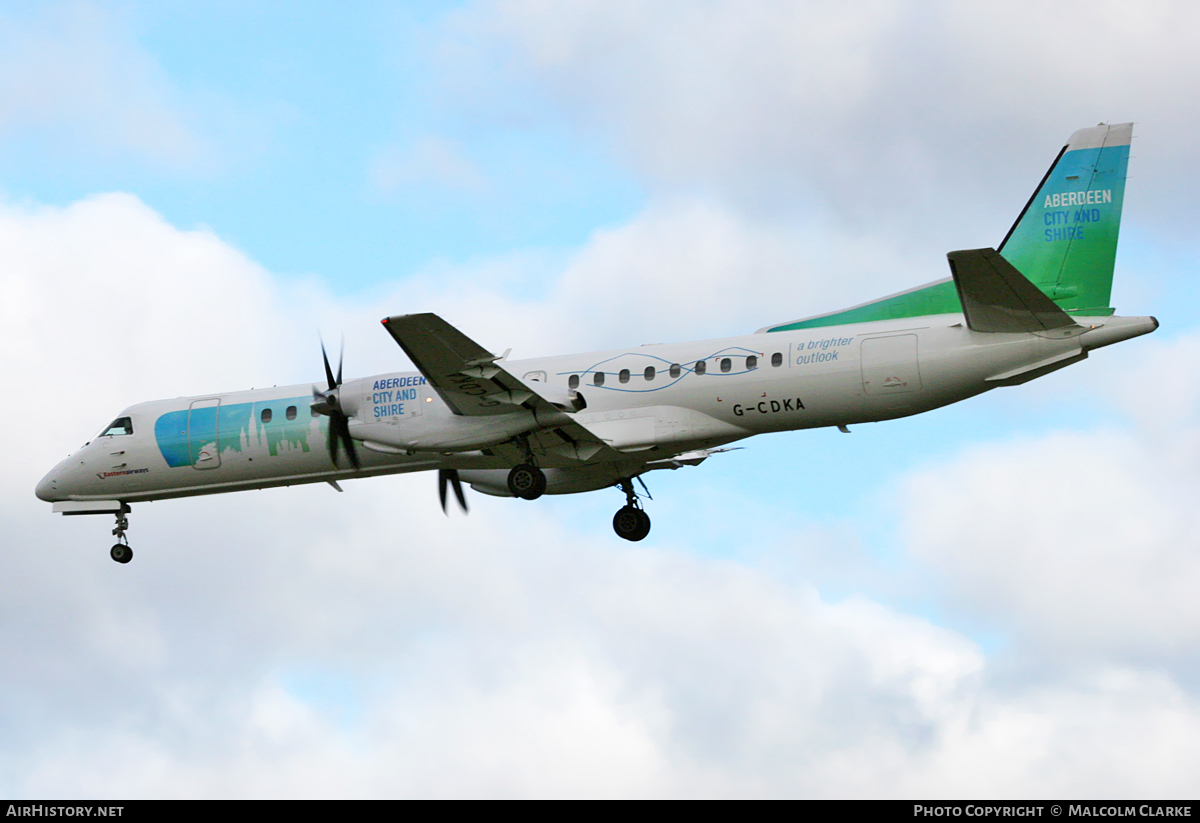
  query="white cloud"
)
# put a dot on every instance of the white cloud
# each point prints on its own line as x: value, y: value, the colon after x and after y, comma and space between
x: 681, y: 269
x: 1080, y: 543
x: 109, y: 302
x: 1085, y: 738
x: 931, y: 121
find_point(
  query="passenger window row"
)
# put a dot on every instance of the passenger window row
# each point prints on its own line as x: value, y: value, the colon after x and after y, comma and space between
x: 725, y: 364
x: 289, y: 413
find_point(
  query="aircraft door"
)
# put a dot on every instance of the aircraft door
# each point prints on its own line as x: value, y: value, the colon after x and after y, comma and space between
x: 889, y: 365
x: 203, y: 435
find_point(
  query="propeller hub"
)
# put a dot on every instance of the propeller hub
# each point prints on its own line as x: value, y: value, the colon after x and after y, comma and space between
x: 326, y: 403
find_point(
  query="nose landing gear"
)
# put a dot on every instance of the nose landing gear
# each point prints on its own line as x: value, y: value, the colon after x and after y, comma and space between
x: 631, y: 522
x: 120, y: 551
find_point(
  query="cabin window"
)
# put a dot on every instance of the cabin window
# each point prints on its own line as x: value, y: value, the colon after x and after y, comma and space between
x: 573, y: 381
x: 266, y: 416
x: 751, y: 362
x: 649, y: 373
x: 777, y: 359
x: 315, y: 413
x: 120, y: 426
x: 290, y: 414
x: 701, y: 367
x: 598, y: 379
x: 676, y: 369
x: 726, y: 364
x: 623, y: 376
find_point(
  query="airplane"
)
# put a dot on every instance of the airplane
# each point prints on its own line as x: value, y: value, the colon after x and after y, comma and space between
x: 1036, y: 303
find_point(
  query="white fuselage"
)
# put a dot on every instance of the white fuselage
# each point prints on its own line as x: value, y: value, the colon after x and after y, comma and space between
x: 829, y: 376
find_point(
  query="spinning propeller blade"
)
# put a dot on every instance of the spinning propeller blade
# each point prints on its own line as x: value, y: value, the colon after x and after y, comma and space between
x: 333, y: 384
x: 339, y: 434
x: 449, y: 477
x: 329, y: 403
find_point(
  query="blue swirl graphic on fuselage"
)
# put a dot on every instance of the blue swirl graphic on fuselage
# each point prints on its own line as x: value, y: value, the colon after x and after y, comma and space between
x: 642, y: 357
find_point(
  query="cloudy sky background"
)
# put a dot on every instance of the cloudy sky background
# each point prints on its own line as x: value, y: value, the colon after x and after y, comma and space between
x: 994, y: 599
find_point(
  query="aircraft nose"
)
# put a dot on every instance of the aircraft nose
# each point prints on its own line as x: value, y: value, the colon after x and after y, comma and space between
x: 47, y: 488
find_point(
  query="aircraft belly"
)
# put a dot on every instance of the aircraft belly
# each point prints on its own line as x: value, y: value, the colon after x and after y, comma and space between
x: 448, y: 432
x: 647, y: 427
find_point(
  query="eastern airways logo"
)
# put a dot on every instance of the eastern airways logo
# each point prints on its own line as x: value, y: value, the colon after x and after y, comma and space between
x: 105, y: 475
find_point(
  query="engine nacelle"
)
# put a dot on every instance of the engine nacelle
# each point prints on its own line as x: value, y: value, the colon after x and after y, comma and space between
x: 445, y: 433
x: 558, y: 481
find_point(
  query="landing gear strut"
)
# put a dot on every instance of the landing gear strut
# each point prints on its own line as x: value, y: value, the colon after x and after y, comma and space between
x: 631, y: 523
x: 120, y: 551
x: 526, y: 480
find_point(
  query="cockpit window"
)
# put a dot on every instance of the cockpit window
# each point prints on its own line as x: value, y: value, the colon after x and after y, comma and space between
x: 122, y: 425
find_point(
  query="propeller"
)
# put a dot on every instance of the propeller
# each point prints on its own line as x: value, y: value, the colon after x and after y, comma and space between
x: 329, y: 403
x: 449, y: 477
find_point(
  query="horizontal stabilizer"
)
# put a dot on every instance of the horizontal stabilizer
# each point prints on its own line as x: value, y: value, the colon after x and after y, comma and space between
x: 998, y: 298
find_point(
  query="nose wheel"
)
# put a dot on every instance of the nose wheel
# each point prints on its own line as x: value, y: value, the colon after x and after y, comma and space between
x: 120, y: 551
x: 631, y: 522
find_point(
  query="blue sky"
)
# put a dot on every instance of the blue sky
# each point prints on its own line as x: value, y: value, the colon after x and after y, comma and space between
x: 994, y: 599
x: 302, y: 125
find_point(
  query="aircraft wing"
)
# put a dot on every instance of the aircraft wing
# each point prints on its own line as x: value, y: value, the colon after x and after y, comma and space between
x: 467, y: 377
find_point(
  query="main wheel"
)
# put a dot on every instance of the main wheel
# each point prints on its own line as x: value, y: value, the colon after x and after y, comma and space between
x: 527, y: 482
x: 121, y: 553
x: 631, y: 524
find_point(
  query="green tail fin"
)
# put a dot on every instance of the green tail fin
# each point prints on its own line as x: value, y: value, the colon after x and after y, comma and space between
x: 1065, y: 240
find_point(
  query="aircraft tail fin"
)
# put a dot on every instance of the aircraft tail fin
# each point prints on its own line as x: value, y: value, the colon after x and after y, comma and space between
x: 1065, y: 239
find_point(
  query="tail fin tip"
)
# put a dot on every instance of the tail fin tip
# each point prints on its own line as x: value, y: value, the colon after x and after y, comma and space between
x: 1065, y: 239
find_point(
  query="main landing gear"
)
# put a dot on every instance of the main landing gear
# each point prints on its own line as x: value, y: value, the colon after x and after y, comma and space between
x: 526, y: 480
x: 120, y: 551
x: 631, y: 522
